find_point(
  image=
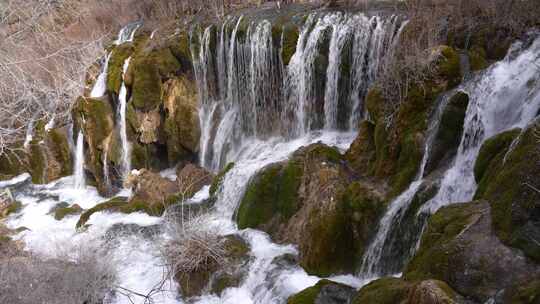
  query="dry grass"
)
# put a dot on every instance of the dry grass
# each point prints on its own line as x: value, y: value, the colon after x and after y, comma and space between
x: 195, y: 244
x: 85, y: 275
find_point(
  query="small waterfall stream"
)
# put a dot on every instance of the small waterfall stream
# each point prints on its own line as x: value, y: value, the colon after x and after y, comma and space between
x: 121, y: 122
x: 79, y: 162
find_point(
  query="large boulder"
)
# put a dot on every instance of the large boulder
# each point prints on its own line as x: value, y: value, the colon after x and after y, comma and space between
x: 324, y: 292
x: 396, y: 290
x: 508, y: 173
x: 309, y: 201
x: 460, y: 247
x: 181, y: 126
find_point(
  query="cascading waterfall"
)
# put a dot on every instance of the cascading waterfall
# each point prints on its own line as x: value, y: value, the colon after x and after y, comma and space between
x: 373, y: 262
x: 247, y: 92
x: 80, y: 182
x: 501, y: 98
x: 126, y: 148
x: 101, y: 82
x: 507, y: 97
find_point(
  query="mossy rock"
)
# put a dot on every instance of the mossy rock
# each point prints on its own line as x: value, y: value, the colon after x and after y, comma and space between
x: 511, y: 184
x: 383, y: 291
x: 58, y: 144
x: 450, y: 67
x: 13, y: 163
x: 432, y: 260
x: 361, y: 153
x: 149, y: 70
x: 37, y: 162
x: 180, y: 48
x: 477, y: 58
x: 12, y: 208
x: 61, y: 212
x: 272, y: 193
x: 492, y: 149
x: 364, y: 207
x: 115, y: 69
x: 218, y: 179
x: 120, y: 204
x: 290, y: 34
x: 444, y: 146
x: 528, y: 293
x: 325, y: 291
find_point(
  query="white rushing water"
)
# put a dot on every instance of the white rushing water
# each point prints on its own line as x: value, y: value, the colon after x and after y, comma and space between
x: 80, y: 182
x: 122, y: 125
x: 247, y: 92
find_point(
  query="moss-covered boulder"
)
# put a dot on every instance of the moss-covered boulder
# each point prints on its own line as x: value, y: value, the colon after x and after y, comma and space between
x: 121, y: 205
x: 384, y: 291
x: 13, y: 163
x: 48, y: 154
x: 8, y: 206
x: 309, y: 201
x: 115, y: 70
x: 509, y: 178
x: 95, y: 117
x: 182, y: 127
x: 62, y: 210
x: 446, y: 142
x: 325, y: 291
x: 395, y: 290
x: 216, y: 278
x: 460, y: 247
x: 150, y: 69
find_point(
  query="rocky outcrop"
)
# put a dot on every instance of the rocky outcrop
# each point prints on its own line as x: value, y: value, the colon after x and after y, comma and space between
x: 46, y: 157
x: 460, y: 247
x: 392, y: 152
x: 310, y: 201
x: 508, y: 173
x: 324, y: 292
x: 395, y: 290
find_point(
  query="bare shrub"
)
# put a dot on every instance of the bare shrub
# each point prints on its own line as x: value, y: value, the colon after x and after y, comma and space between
x: 86, y: 275
x: 195, y: 244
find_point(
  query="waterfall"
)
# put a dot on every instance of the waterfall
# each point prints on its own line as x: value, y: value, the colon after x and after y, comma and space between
x: 247, y: 92
x: 373, y: 263
x: 79, y: 162
x: 100, y: 86
x: 121, y: 122
x: 504, y: 97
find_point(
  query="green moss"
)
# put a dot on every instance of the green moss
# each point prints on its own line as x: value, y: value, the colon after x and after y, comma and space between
x: 477, y: 59
x: 268, y: 195
x: 450, y: 67
x: 510, y: 186
x: 60, y: 213
x: 180, y: 48
x: 112, y: 205
x: 309, y: 295
x: 528, y: 293
x: 115, y: 69
x: 149, y: 70
x: 61, y: 151
x: 364, y: 207
x: 14, y: 207
x: 383, y: 291
x: 216, y: 182
x: 290, y: 41
x: 432, y: 259
x: 490, y: 150
x: 37, y: 163
x: 12, y: 163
